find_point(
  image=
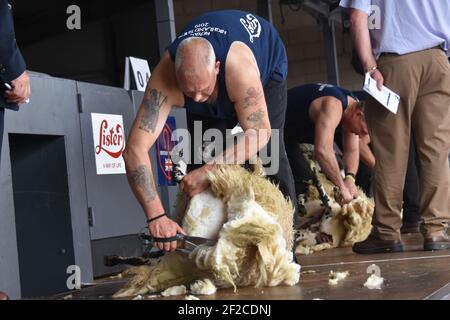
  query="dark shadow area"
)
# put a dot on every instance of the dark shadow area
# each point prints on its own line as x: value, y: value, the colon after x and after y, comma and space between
x: 42, y: 212
x: 110, y: 31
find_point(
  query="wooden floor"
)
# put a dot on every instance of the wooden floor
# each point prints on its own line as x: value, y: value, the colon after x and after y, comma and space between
x: 413, y: 274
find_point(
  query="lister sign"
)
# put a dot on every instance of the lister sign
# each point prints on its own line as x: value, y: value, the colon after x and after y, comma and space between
x: 109, y: 143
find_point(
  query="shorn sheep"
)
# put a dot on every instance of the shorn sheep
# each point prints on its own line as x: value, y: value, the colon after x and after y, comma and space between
x: 253, y: 225
x: 339, y: 226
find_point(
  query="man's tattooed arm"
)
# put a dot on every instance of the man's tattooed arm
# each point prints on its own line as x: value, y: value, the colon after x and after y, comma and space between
x: 142, y: 179
x: 253, y: 118
x: 256, y: 118
x: 253, y: 97
x: 152, y: 104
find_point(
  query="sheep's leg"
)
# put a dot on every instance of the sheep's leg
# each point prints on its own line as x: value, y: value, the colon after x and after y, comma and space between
x: 172, y: 270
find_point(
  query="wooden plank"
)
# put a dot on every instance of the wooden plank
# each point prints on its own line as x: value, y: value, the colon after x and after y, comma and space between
x: 414, y: 274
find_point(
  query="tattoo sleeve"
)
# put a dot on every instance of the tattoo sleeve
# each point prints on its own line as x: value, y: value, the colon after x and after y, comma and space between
x: 142, y: 178
x: 152, y: 104
x: 252, y: 98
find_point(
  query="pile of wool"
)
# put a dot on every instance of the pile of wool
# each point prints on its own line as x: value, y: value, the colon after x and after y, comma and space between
x: 253, y: 225
x: 335, y: 277
x: 374, y: 282
x: 203, y: 287
x: 345, y: 224
x: 174, y: 291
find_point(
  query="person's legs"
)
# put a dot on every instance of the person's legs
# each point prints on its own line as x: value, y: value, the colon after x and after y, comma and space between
x: 390, y: 134
x: 431, y: 125
x: 364, y: 178
x: 411, y: 194
x: 276, y: 100
x: 299, y: 165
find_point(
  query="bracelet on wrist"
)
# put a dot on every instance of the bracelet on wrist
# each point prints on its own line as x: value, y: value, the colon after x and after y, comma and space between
x: 155, y: 218
x: 350, y: 176
x: 370, y: 70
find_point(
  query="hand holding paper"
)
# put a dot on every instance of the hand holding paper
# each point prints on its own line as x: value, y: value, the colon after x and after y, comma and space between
x: 386, y: 97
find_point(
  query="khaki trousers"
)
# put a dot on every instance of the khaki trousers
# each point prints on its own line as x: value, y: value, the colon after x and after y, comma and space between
x: 422, y: 80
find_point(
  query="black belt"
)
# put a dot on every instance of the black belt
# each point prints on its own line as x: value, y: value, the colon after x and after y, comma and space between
x: 388, y: 54
x: 383, y: 54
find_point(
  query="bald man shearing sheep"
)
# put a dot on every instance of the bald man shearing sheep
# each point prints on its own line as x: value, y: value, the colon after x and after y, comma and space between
x: 226, y: 67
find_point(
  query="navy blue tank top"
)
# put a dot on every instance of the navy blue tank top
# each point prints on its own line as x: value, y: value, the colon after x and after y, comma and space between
x: 298, y: 123
x: 221, y: 29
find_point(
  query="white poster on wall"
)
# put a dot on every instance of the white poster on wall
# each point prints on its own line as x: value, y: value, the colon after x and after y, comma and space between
x: 109, y: 143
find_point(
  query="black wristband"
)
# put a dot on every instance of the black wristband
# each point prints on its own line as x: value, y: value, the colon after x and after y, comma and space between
x: 351, y: 175
x: 165, y: 240
x: 155, y: 218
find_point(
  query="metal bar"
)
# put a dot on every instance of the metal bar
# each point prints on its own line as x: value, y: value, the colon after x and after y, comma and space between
x: 264, y: 9
x: 165, y: 21
x: 329, y: 33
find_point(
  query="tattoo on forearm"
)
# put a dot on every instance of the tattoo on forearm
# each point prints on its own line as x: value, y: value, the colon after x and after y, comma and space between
x: 152, y: 104
x: 253, y: 97
x: 142, y: 178
x: 256, y: 118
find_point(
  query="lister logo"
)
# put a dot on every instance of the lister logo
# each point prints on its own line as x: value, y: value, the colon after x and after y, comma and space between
x: 111, y: 140
x: 109, y: 143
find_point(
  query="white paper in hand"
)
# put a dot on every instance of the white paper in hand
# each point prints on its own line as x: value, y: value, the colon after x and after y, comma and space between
x: 388, y: 98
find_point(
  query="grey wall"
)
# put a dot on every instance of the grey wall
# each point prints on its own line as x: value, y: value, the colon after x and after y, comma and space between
x: 53, y: 110
x: 63, y: 108
x: 115, y: 209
